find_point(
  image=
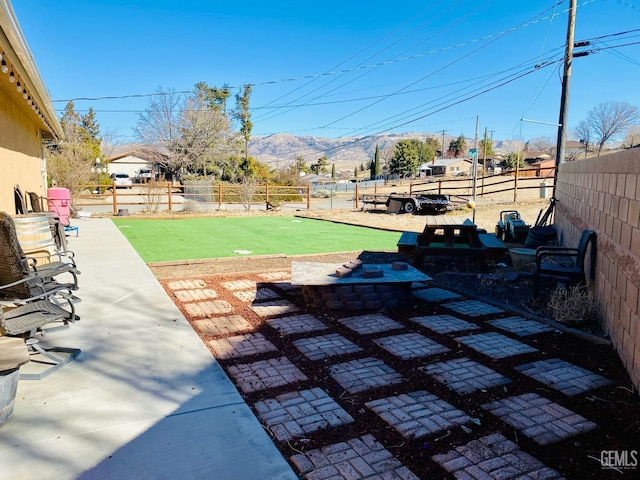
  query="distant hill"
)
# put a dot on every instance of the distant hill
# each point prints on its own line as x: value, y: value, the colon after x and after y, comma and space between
x: 282, y: 149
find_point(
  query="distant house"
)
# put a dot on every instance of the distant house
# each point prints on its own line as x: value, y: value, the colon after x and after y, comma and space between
x: 539, y: 164
x: 27, y: 118
x: 448, y: 166
x: 132, y: 161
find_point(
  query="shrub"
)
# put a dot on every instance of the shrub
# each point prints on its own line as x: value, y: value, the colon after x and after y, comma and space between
x: 573, y: 305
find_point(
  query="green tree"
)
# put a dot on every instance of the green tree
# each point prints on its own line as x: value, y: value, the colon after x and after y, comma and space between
x: 90, y: 131
x: 301, y: 166
x: 406, y: 158
x: 486, y: 146
x: 215, y: 98
x: 333, y: 171
x: 243, y: 115
x: 513, y: 160
x: 458, y: 147
x: 321, y: 166
x: 376, y: 168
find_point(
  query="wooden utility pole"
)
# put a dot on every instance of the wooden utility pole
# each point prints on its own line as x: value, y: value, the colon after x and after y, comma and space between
x: 475, y: 168
x: 566, y: 79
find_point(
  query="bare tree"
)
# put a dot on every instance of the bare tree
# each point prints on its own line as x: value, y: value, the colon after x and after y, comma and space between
x: 542, y: 144
x: 633, y: 136
x: 69, y: 165
x: 157, y: 127
x: 204, y: 135
x: 583, y: 133
x: 609, y: 120
x: 193, y: 134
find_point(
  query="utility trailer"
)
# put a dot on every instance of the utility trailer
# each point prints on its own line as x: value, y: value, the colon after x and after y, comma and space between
x: 416, y: 204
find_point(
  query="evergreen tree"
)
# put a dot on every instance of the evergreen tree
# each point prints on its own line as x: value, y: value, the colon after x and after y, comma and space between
x: 333, y: 171
x: 377, y: 168
x: 90, y: 131
x: 215, y: 98
x: 406, y: 158
x: 513, y: 160
x: 458, y: 147
x: 244, y: 116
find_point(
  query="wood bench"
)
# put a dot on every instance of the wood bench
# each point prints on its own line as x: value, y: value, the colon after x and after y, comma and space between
x: 496, y: 250
x: 408, y: 242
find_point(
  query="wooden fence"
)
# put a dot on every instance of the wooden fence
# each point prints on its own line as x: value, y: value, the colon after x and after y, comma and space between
x: 156, y: 196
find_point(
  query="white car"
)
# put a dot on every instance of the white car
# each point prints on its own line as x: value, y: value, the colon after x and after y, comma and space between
x: 144, y: 175
x: 121, y: 180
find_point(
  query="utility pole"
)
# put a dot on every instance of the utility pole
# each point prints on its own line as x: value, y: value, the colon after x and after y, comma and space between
x: 475, y: 169
x: 564, y: 99
x: 442, y: 150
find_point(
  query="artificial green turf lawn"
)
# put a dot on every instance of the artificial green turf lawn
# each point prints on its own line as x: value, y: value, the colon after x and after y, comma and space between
x: 196, y: 238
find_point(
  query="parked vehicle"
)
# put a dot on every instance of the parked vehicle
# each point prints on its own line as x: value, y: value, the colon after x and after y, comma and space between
x: 121, y: 180
x: 144, y: 175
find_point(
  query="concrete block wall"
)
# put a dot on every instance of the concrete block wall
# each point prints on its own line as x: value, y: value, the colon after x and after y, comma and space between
x: 603, y: 194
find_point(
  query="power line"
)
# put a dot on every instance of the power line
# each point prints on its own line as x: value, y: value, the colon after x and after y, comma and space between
x: 330, y: 73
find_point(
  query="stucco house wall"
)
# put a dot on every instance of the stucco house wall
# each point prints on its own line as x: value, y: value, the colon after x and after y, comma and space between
x: 26, y: 123
x: 603, y: 194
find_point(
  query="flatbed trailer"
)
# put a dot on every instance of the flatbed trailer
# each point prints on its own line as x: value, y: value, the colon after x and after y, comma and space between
x: 417, y: 204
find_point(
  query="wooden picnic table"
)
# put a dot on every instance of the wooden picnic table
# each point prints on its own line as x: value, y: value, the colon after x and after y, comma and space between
x: 451, y: 236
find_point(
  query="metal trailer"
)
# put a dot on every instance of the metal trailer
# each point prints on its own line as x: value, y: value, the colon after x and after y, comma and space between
x: 419, y: 204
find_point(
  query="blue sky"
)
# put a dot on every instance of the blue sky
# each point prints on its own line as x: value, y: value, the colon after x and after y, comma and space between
x: 340, y: 68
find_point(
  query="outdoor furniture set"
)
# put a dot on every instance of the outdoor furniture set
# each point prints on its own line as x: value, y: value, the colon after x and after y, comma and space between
x: 456, y: 237
x: 36, y: 295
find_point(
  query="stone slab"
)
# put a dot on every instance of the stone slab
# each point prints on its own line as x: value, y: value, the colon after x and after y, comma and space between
x: 314, y: 273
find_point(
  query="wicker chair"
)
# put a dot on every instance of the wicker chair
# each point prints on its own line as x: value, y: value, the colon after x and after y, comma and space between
x: 20, y: 276
x: 26, y: 320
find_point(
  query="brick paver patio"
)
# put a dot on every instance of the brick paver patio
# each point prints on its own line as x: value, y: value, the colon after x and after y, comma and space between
x: 563, y: 376
x: 539, y: 418
x: 418, y: 414
x: 240, y: 285
x: 304, y: 323
x: 331, y: 345
x: 222, y: 325
x: 241, y: 346
x: 496, y: 345
x: 274, y: 308
x: 195, y: 294
x: 186, y: 284
x: 444, y: 323
x: 208, y: 309
x: 473, y: 308
x: 355, y: 459
x: 258, y: 295
x: 465, y: 376
x: 412, y: 394
x: 410, y: 345
x: 520, y: 326
x: 298, y: 413
x: 493, y: 457
x: 435, y: 294
x: 360, y: 375
x: 370, y: 323
x: 263, y: 374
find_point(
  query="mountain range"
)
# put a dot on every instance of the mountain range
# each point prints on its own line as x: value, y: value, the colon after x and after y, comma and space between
x: 282, y: 149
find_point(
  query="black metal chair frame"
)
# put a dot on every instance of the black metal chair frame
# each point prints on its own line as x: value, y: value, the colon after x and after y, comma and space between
x: 565, y: 264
